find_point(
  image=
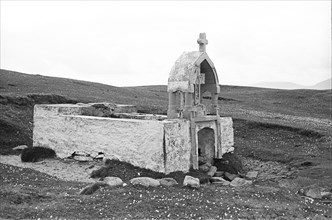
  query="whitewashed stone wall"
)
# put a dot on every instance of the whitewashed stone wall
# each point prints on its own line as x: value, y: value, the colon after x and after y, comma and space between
x: 162, y: 146
x: 226, y: 134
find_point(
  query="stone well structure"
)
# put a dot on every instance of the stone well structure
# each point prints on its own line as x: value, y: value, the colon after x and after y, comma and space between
x: 191, y: 132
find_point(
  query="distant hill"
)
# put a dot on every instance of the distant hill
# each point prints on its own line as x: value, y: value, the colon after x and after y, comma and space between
x: 324, y: 85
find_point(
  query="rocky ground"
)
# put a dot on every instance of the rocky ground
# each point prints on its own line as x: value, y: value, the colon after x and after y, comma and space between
x: 51, y: 189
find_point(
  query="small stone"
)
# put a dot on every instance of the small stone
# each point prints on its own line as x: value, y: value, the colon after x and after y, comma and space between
x: 191, y: 181
x: 113, y: 181
x: 230, y: 176
x: 212, y: 171
x: 313, y: 192
x: 326, y: 195
x: 82, y: 158
x: 145, y: 181
x: 167, y: 182
x: 205, y: 167
x: 237, y: 182
x: 20, y: 147
x: 219, y: 180
x: 219, y: 174
x: 252, y: 174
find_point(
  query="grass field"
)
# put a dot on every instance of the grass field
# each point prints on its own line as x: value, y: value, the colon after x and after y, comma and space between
x: 279, y: 127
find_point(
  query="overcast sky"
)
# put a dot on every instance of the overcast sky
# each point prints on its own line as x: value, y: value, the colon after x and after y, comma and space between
x: 128, y: 43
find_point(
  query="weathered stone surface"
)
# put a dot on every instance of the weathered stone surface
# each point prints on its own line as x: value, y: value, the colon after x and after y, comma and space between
x: 226, y: 135
x: 237, y: 182
x: 219, y: 180
x: 167, y: 182
x: 139, y: 142
x: 230, y: 176
x: 252, y: 174
x: 140, y: 116
x: 20, y: 147
x: 177, y: 145
x: 191, y: 181
x: 205, y: 167
x: 145, y: 181
x: 113, y: 181
x: 212, y: 171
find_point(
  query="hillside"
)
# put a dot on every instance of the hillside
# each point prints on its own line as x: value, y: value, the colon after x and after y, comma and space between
x: 283, y: 134
x: 307, y: 103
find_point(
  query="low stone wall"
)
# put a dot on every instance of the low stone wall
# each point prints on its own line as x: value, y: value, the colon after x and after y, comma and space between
x: 162, y: 146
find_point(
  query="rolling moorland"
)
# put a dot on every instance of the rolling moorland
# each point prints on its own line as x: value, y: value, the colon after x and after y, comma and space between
x: 289, y: 128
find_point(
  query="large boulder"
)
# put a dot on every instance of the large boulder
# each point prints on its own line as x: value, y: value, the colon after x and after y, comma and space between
x: 35, y: 154
x: 145, y: 181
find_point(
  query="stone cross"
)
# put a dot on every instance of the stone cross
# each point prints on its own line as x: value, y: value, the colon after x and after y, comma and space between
x: 202, y: 41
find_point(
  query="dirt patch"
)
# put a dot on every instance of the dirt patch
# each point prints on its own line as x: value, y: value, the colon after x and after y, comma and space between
x: 68, y: 170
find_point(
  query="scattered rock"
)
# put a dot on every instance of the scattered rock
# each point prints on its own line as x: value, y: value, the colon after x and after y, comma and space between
x: 326, y: 195
x: 237, y: 182
x: 219, y: 180
x: 20, y: 147
x: 92, y: 188
x: 252, y: 174
x: 312, y: 192
x: 113, y: 181
x: 219, y: 174
x: 145, y: 181
x: 212, y: 171
x: 167, y: 182
x: 191, y: 181
x: 99, y: 156
x: 35, y: 154
x: 205, y: 167
x: 230, y: 176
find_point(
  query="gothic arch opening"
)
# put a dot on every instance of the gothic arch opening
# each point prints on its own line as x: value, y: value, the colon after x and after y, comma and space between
x: 206, y: 145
